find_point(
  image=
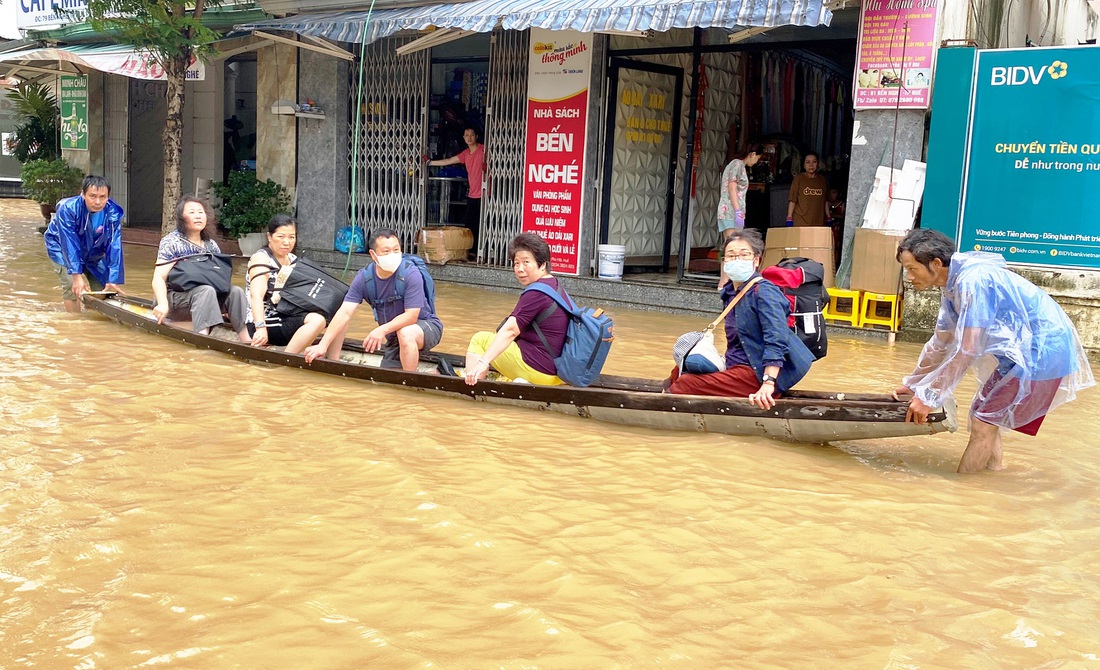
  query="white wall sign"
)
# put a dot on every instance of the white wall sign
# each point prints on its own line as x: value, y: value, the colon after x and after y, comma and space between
x: 42, y: 14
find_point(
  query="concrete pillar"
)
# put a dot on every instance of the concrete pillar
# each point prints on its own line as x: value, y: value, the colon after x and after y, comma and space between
x: 277, y: 79
x: 322, y: 151
x: 873, y: 144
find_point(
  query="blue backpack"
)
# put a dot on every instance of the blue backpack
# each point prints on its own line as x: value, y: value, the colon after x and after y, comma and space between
x: 588, y: 338
x: 408, y: 263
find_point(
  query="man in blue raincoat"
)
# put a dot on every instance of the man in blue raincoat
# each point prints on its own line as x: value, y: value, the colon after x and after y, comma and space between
x: 84, y: 242
x: 1024, y: 350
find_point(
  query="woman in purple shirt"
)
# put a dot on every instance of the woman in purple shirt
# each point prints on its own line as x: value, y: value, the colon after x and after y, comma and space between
x: 516, y: 349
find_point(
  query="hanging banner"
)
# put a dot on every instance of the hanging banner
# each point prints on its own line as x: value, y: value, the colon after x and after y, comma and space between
x: 1033, y: 160
x: 114, y: 58
x: 896, y: 54
x: 74, y: 113
x: 559, y: 70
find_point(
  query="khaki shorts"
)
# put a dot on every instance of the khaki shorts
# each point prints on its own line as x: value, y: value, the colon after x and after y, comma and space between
x: 66, y: 281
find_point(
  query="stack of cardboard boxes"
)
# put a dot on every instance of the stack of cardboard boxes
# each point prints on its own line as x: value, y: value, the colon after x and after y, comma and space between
x: 875, y: 268
x: 815, y: 243
x: 439, y: 244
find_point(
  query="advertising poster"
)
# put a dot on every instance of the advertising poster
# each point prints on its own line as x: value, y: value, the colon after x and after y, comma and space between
x: 560, y: 64
x: 896, y: 53
x: 74, y: 113
x: 1033, y: 163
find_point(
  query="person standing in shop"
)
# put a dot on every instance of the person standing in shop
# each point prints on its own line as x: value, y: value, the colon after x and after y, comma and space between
x: 806, y: 205
x: 473, y: 158
x: 731, y: 202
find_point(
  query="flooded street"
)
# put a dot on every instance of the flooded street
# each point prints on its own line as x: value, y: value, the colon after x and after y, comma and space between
x: 169, y: 507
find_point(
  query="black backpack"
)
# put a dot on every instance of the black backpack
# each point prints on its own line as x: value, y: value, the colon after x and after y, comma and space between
x: 803, y: 282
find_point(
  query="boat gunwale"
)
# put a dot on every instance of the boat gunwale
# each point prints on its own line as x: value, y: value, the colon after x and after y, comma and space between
x: 797, y: 406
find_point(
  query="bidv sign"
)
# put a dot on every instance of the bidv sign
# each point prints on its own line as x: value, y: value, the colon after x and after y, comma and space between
x: 36, y: 14
x: 1019, y: 75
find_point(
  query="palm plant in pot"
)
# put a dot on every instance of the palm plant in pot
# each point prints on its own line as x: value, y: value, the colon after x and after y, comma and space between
x: 35, y: 141
x: 47, y: 181
x: 36, y: 135
x: 247, y: 205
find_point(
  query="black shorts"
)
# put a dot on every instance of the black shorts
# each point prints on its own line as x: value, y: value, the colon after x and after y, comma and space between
x: 280, y: 333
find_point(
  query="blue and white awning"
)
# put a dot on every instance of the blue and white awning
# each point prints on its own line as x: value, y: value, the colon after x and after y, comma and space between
x: 582, y: 15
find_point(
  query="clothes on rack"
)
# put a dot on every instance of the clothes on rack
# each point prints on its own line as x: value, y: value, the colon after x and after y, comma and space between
x: 801, y: 97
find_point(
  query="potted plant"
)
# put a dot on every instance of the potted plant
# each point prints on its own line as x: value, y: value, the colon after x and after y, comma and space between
x: 247, y: 205
x: 47, y: 181
x: 36, y: 135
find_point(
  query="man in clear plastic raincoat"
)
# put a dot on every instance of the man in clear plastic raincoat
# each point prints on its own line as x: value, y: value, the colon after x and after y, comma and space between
x: 1024, y: 350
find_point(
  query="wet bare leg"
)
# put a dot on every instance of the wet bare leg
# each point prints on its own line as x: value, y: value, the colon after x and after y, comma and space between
x: 722, y: 278
x: 983, y: 451
x: 72, y: 305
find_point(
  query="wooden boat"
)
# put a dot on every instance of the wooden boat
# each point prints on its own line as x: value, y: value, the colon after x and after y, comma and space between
x: 800, y: 416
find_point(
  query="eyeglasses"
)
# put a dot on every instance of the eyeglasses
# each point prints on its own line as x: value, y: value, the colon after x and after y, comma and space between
x: 743, y: 256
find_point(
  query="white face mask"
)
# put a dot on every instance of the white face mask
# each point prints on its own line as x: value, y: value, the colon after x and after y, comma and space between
x: 739, y: 270
x: 390, y: 262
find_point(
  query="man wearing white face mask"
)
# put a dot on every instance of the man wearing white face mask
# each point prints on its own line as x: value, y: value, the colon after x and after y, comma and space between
x: 402, y: 295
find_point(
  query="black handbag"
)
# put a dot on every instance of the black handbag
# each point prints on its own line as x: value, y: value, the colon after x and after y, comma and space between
x: 205, y: 269
x: 310, y: 289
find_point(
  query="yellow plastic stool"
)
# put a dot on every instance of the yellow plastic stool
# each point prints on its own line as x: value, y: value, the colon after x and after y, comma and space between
x: 869, y: 313
x: 835, y: 313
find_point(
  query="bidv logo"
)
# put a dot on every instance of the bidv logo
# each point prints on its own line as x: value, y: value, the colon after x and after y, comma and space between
x: 1019, y: 75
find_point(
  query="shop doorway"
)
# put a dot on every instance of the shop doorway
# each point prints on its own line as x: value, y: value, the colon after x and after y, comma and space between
x: 640, y: 161
x: 148, y: 114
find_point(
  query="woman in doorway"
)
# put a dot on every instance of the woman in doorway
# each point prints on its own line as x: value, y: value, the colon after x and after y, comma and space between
x: 735, y: 187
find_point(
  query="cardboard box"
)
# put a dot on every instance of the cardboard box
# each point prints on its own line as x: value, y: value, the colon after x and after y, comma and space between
x: 814, y: 242
x: 874, y: 261
x: 439, y: 244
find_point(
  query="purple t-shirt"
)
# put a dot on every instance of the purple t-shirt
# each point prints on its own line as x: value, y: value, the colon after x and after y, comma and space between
x: 553, y: 327
x: 389, y: 310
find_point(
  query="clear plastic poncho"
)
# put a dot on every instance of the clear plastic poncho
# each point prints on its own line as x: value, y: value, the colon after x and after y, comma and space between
x: 1024, y: 350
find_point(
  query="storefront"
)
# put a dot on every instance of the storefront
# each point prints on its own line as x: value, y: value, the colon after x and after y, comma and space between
x: 664, y: 113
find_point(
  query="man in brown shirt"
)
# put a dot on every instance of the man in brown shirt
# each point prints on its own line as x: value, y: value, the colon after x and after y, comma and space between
x: 806, y: 203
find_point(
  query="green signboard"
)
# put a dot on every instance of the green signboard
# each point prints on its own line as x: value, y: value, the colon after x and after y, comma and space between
x: 1033, y: 163
x: 74, y: 112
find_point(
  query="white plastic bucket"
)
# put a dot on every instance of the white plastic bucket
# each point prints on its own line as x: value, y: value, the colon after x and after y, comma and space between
x: 611, y: 261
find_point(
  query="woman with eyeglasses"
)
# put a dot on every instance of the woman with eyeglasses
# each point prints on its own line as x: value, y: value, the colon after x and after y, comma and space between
x: 764, y: 358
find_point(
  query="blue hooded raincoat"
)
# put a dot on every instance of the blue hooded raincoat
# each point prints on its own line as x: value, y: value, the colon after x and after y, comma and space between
x: 72, y: 242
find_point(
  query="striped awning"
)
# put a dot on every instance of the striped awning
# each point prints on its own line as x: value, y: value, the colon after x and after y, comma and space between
x: 79, y: 58
x: 582, y: 15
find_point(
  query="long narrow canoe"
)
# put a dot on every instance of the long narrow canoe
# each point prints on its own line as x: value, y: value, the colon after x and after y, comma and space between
x: 800, y: 416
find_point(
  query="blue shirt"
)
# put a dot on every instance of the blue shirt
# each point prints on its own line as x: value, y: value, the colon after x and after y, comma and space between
x: 387, y: 310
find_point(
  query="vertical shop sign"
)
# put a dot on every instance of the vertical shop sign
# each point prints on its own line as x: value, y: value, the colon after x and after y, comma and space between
x: 896, y: 54
x: 74, y: 113
x: 1033, y: 160
x: 560, y: 64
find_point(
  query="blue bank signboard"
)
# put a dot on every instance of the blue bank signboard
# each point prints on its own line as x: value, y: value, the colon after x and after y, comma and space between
x: 1032, y: 175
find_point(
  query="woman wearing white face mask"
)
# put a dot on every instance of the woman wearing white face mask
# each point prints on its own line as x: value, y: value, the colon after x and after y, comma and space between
x: 764, y: 358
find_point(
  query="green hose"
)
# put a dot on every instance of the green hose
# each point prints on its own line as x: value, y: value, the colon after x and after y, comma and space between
x: 358, y: 111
